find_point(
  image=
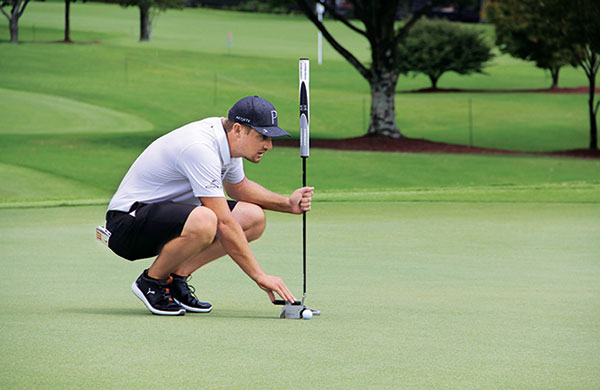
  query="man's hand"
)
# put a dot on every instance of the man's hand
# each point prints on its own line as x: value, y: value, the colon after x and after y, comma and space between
x: 300, y: 199
x: 274, y: 284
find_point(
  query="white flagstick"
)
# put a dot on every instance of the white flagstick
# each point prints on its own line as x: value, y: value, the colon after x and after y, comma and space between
x: 304, y: 68
x: 320, y: 12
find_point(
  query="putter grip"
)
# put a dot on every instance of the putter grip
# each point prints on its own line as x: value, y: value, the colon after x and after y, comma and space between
x: 304, y: 68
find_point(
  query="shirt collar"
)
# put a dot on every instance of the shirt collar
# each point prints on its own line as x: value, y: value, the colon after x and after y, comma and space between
x: 223, y: 142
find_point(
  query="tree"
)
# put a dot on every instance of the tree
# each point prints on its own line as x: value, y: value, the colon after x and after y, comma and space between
x: 68, y: 20
x: 17, y: 7
x: 523, y: 30
x: 439, y: 46
x: 581, y: 21
x: 149, y: 9
x: 590, y: 61
x: 575, y: 26
x: 383, y: 34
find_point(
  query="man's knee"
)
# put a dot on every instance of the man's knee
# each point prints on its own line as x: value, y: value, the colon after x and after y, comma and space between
x: 201, y: 224
x: 252, y: 218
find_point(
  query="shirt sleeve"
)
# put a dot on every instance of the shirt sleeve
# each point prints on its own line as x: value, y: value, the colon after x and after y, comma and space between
x: 235, y: 174
x: 201, y: 165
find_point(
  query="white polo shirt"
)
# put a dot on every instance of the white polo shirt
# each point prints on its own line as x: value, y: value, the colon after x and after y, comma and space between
x: 189, y: 162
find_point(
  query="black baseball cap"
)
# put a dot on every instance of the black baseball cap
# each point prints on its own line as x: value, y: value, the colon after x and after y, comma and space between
x: 257, y: 113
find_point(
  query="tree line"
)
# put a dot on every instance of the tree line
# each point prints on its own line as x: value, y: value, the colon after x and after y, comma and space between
x: 13, y: 10
x: 551, y: 33
x: 574, y: 26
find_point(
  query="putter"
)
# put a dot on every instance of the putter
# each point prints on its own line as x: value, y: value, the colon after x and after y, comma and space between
x: 295, y: 309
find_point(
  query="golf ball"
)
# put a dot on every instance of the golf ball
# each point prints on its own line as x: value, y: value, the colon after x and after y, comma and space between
x: 307, y: 314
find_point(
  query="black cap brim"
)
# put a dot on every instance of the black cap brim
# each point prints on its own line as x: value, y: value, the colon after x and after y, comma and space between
x: 271, y: 131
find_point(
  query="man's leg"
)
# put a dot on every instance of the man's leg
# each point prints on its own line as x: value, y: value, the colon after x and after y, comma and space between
x: 198, y: 233
x: 253, y: 221
x: 153, y: 287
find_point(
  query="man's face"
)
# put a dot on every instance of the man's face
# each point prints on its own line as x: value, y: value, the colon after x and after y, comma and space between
x: 255, y: 145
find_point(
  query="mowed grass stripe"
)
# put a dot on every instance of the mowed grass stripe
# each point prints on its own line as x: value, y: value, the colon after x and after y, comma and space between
x: 35, y: 113
x: 23, y: 185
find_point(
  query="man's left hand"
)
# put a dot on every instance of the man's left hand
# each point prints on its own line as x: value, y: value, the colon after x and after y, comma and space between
x: 300, y: 199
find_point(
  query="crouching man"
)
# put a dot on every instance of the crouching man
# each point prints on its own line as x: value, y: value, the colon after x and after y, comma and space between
x: 171, y: 204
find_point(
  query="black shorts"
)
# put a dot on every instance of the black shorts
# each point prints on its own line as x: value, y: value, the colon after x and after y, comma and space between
x: 143, y: 234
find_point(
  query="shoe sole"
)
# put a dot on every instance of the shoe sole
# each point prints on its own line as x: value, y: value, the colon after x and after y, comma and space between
x: 138, y: 293
x: 193, y: 309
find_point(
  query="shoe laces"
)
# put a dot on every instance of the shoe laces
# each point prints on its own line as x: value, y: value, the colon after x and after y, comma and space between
x: 191, y: 288
x: 168, y: 290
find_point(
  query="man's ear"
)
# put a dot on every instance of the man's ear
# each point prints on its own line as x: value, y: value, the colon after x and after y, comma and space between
x: 238, y: 129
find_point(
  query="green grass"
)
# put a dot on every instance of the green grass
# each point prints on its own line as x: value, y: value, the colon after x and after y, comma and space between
x: 498, y: 119
x: 99, y: 163
x: 81, y: 113
x: 26, y: 185
x: 413, y: 295
x: 62, y: 115
x: 186, y: 73
x: 432, y: 271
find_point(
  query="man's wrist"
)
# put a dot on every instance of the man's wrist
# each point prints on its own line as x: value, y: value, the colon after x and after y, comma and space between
x: 258, y: 276
x: 290, y: 205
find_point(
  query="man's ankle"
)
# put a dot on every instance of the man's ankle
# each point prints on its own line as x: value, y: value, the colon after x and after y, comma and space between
x: 152, y: 275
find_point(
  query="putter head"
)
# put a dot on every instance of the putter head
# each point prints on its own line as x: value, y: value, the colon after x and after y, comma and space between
x: 293, y: 310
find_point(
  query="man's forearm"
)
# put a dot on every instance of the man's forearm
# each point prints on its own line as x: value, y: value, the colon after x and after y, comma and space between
x: 234, y: 242
x: 251, y: 192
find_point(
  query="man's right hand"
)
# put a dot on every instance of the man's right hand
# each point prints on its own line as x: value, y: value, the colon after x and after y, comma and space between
x: 272, y: 284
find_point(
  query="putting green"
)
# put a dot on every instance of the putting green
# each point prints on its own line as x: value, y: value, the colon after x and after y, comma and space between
x: 414, y: 295
x: 36, y: 113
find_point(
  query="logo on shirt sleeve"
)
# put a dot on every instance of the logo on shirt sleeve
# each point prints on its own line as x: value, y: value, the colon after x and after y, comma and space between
x: 213, y: 184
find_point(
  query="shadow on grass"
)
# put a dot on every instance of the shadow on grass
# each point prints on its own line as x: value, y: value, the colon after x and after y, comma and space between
x: 22, y: 42
x: 107, y: 311
x: 243, y: 315
x: 121, y: 311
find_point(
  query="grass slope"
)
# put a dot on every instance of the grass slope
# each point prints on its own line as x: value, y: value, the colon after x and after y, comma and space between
x: 186, y: 72
x: 61, y: 115
x: 99, y: 163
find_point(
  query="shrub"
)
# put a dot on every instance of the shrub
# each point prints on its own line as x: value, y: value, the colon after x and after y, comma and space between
x: 434, y: 47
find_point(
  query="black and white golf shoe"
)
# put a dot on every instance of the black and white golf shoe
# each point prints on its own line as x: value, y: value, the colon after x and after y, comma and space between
x: 183, y: 294
x: 156, y: 295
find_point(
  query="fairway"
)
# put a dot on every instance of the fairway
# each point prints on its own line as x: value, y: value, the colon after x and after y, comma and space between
x: 413, y: 295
